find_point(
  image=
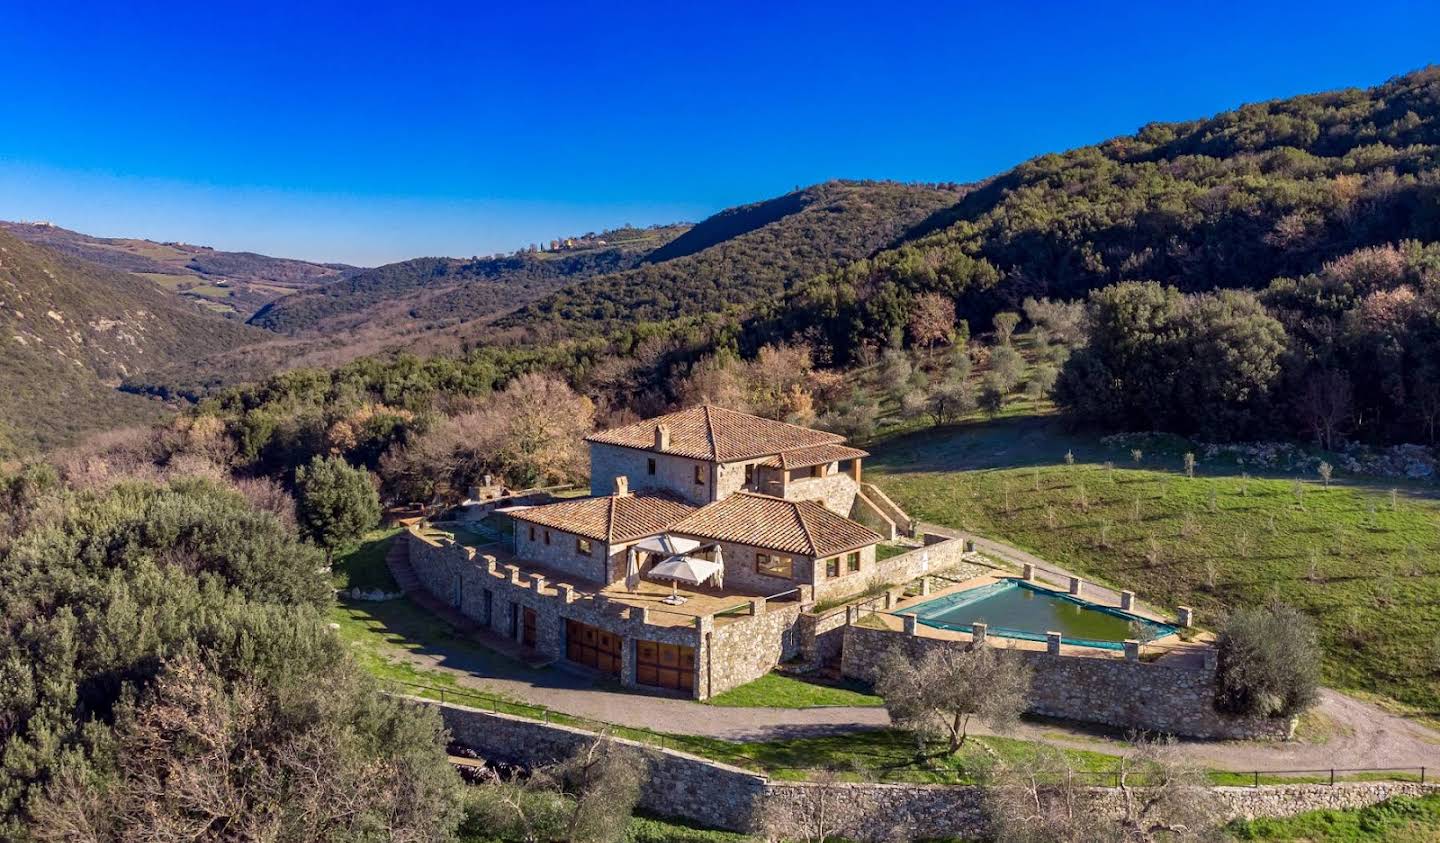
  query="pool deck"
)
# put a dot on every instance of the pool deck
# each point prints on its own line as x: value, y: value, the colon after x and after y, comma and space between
x: 1167, y: 648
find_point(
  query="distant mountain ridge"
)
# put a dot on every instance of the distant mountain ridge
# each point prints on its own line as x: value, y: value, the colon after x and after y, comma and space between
x: 70, y: 331
x: 437, y: 290
x: 230, y: 283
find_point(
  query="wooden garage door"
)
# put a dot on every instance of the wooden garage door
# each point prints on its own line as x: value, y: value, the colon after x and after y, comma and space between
x: 665, y: 665
x: 592, y: 647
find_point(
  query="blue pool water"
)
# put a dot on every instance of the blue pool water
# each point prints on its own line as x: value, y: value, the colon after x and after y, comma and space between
x: 1017, y: 609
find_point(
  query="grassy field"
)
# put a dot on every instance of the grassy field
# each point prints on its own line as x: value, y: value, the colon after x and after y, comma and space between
x: 1363, y: 561
x: 364, y: 565
x: 775, y: 690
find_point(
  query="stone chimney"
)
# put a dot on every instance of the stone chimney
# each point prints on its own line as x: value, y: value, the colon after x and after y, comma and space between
x: 622, y: 485
x: 662, y: 437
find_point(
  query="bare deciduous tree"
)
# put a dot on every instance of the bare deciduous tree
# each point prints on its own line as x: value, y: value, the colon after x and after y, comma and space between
x: 1324, y: 405
x: 932, y: 319
x: 1154, y: 796
x: 586, y: 798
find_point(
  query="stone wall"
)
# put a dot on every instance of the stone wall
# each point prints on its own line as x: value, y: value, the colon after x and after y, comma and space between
x: 680, y: 785
x: 1174, y: 699
x: 836, y: 490
x: 560, y: 551
x: 722, y: 796
x: 746, y: 649
x: 672, y: 473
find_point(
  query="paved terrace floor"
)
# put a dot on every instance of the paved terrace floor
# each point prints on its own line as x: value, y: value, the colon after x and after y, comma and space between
x: 1348, y: 731
x: 727, y: 605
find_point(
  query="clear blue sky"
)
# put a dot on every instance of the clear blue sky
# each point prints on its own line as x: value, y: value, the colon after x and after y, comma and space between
x: 369, y: 134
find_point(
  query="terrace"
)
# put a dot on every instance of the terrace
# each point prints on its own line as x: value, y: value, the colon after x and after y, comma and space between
x: 726, y: 606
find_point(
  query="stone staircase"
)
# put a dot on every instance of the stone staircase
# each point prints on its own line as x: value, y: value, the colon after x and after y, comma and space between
x: 886, y: 510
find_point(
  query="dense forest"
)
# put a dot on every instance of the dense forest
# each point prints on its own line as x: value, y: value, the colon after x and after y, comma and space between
x: 739, y: 257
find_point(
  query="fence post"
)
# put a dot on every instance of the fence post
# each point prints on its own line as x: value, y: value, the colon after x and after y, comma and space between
x: 1257, y: 778
x: 1422, y: 775
x: 1332, y: 776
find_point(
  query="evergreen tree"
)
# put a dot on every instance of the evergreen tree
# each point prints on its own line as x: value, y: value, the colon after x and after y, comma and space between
x: 337, y: 503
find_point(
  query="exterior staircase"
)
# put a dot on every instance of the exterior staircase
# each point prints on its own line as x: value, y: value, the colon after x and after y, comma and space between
x: 875, y: 503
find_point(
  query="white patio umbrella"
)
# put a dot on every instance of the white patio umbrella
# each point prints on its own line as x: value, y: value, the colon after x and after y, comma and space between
x: 663, y: 545
x: 686, y: 569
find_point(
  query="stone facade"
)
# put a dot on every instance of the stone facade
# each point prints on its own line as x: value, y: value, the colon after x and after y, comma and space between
x: 722, y: 796
x: 673, y: 474
x: 835, y: 490
x: 562, y: 552
x: 848, y: 582
x: 822, y: 635
x: 1176, y: 699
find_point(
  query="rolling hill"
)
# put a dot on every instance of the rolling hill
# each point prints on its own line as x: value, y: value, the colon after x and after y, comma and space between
x: 71, y: 330
x: 733, y: 259
x: 431, y: 291
x: 1269, y: 190
x: 740, y: 257
x: 234, y: 284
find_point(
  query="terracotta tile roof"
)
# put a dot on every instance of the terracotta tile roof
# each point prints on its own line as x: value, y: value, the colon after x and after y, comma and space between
x: 714, y: 433
x: 801, y: 527
x: 610, y: 518
x: 814, y: 455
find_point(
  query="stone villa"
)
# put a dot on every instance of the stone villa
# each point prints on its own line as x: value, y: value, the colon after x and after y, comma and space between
x: 707, y: 537
x: 715, y: 545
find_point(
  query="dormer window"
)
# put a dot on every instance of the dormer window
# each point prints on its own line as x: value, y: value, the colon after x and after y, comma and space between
x: 699, y: 474
x: 650, y: 466
x: 749, y: 474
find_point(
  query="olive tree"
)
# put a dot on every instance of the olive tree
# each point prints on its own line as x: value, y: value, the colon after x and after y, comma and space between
x: 936, y: 693
x: 1269, y: 662
x: 587, y: 797
x: 1044, y: 797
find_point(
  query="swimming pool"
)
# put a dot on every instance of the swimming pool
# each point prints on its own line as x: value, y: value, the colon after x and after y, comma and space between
x: 1018, y: 609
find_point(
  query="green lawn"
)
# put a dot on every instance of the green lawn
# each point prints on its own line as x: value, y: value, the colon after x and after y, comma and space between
x: 1398, y: 820
x: 364, y: 565
x: 886, y: 551
x: 1365, y: 566
x: 776, y: 690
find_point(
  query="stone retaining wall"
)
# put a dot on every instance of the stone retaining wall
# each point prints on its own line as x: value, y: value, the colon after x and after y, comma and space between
x: 729, y: 651
x: 722, y: 796
x: 746, y: 650
x: 822, y: 635
x: 1174, y: 699
x: 680, y: 785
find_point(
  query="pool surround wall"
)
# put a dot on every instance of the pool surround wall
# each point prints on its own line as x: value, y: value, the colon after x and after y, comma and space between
x: 934, y: 612
x: 1174, y: 696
